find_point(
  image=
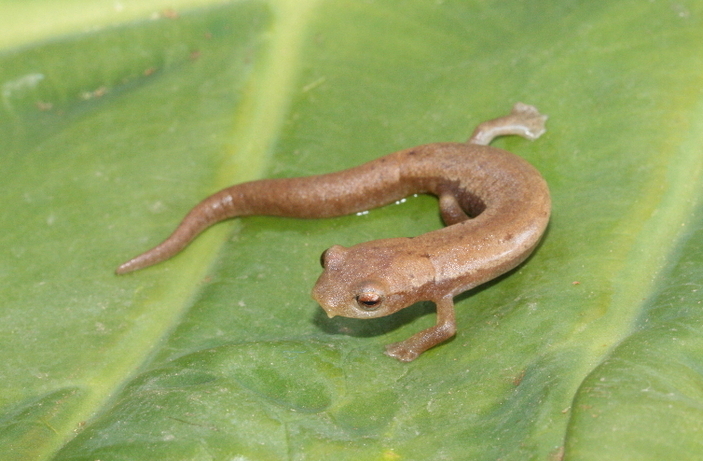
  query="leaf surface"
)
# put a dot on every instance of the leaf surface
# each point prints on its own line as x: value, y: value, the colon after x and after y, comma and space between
x: 114, y: 122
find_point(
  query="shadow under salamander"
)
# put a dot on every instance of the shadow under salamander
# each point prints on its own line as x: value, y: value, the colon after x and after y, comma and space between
x: 371, y: 327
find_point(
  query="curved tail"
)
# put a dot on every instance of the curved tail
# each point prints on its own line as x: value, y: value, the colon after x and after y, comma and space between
x: 213, y: 209
x: 361, y: 188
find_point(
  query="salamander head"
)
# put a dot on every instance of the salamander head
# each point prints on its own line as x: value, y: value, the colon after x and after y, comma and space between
x: 370, y: 280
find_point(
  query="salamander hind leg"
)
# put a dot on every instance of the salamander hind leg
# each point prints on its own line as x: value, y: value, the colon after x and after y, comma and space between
x: 450, y: 209
x: 524, y: 120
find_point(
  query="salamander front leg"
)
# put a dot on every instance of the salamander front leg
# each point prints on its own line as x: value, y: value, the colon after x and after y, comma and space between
x: 524, y: 120
x: 411, y: 348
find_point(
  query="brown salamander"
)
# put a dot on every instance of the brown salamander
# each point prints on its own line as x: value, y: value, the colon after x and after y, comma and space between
x: 496, y: 207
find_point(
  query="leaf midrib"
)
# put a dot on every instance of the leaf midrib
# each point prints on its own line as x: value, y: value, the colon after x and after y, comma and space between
x: 257, y: 125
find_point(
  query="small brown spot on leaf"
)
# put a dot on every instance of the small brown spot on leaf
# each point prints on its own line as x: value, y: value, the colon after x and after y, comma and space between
x: 169, y: 13
x: 44, y: 106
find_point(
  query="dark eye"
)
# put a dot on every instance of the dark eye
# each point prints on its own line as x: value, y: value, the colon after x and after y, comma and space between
x: 323, y: 256
x: 369, y: 300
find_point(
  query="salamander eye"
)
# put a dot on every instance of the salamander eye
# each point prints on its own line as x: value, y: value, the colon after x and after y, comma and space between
x: 369, y: 300
x: 333, y: 257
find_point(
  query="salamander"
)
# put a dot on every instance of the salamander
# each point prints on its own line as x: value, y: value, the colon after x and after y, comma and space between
x: 495, y: 205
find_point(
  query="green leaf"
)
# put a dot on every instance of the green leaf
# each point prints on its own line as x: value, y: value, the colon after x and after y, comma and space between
x: 117, y: 118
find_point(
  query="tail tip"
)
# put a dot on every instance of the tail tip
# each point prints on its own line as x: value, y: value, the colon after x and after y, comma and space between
x: 125, y: 268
